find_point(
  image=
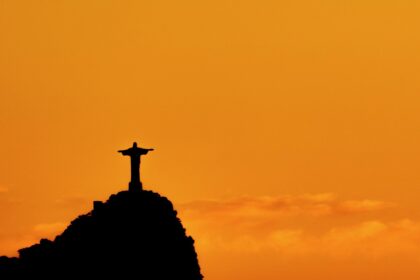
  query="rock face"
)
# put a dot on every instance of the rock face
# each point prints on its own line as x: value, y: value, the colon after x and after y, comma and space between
x: 134, y: 235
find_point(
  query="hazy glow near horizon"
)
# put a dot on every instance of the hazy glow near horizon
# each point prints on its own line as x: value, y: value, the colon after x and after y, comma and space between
x: 286, y: 132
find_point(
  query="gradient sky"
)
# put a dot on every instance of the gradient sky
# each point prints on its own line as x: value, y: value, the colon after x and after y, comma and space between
x: 286, y: 132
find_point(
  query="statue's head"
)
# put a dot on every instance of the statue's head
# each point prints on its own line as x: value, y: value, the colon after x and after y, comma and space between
x: 135, y: 144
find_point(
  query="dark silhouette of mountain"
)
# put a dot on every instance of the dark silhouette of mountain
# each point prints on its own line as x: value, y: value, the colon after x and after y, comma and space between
x: 134, y: 235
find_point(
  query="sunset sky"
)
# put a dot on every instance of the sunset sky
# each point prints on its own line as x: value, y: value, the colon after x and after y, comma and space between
x: 287, y: 133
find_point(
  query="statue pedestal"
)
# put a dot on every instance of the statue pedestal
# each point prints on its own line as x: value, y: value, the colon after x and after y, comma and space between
x: 135, y: 186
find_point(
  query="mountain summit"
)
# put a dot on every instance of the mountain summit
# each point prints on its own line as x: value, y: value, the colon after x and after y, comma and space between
x: 134, y: 235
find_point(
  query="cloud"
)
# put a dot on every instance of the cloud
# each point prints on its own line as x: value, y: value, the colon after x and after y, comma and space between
x: 374, y: 238
x: 357, y: 206
x: 325, y: 204
x: 71, y: 202
x: 305, y: 225
x: 49, y: 230
x: 9, y: 244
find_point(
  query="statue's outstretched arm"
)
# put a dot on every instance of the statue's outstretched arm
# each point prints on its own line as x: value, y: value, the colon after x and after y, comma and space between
x: 145, y: 151
x: 124, y: 152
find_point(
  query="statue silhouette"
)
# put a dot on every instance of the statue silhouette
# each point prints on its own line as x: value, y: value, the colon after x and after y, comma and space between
x: 135, y: 154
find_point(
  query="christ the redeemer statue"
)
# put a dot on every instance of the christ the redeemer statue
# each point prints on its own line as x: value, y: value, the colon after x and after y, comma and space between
x: 135, y: 153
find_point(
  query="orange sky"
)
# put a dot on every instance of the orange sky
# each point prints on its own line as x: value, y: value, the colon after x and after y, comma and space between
x: 286, y: 132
